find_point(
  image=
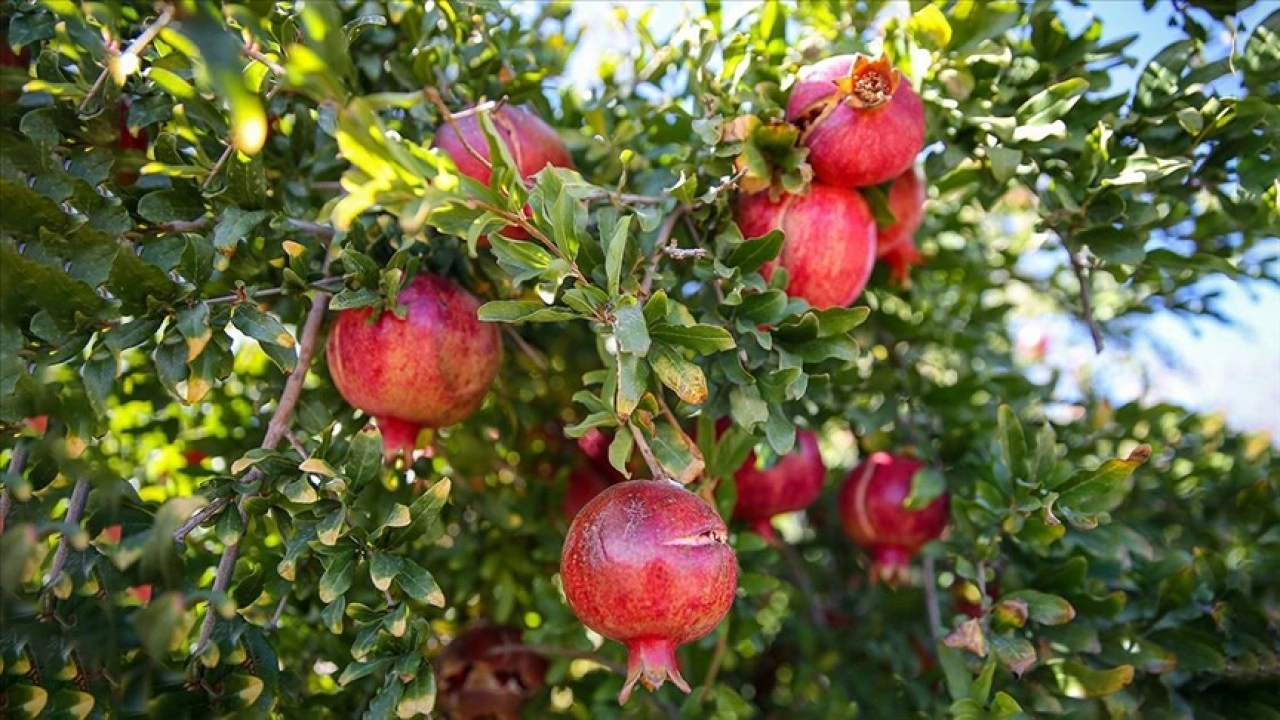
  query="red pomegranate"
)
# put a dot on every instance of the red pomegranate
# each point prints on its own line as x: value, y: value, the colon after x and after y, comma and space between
x: 873, y: 515
x: 430, y: 369
x: 533, y: 144
x: 129, y: 144
x: 646, y: 563
x: 478, y: 679
x: 791, y: 484
x: 896, y: 243
x: 830, y: 244
x: 862, y: 124
x: 584, y: 484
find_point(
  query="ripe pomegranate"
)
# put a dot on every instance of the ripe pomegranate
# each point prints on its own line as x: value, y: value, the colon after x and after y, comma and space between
x: 896, y: 243
x: 791, y: 484
x: 477, y: 679
x: 532, y: 142
x: 131, y: 145
x: 430, y: 369
x: 873, y: 515
x: 646, y: 563
x: 862, y: 124
x: 830, y: 244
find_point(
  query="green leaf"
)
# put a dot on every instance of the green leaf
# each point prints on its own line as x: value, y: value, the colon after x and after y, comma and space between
x: 364, y: 456
x: 1090, y: 492
x: 928, y: 23
x: 620, y: 451
x: 418, y: 584
x: 357, y: 670
x: 163, y: 624
x: 419, y: 697
x: 425, y: 511
x: 927, y: 485
x: 513, y: 311
x: 1014, y: 652
x: 633, y: 381
x: 338, y: 575
x: 1013, y: 443
x: 234, y: 225
x: 684, y: 378
x: 1052, y: 103
x: 262, y: 327
x: 383, y: 568
x: 752, y: 255
x: 165, y: 206
x: 747, y: 407
x: 702, y: 339
x: 1044, y: 608
x: 1079, y: 680
x: 615, y: 251
x: 630, y: 328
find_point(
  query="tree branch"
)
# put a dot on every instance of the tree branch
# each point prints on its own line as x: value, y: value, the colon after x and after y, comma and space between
x: 17, y: 463
x: 1086, y: 298
x: 75, y: 510
x: 665, y: 234
x: 221, y: 581
x: 647, y: 452
x: 433, y: 96
x: 137, y: 46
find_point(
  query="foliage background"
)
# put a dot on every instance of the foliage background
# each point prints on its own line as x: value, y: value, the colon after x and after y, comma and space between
x: 155, y: 298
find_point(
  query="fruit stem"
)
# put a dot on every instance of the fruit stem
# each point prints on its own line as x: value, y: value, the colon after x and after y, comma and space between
x: 651, y: 661
x: 398, y: 436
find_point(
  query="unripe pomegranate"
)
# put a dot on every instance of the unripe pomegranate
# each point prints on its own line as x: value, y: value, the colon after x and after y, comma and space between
x: 830, y: 244
x: 430, y: 369
x: 533, y: 145
x: 862, y: 124
x: 646, y: 563
x: 896, y: 243
x: 873, y: 514
x: 478, y: 679
x: 791, y: 484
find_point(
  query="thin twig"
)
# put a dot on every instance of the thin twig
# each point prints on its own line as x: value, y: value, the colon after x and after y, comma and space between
x: 296, y: 443
x: 1086, y: 298
x: 199, y: 517
x: 231, y: 148
x: 676, y: 253
x: 274, y: 622
x: 553, y: 651
x: 623, y: 198
x: 647, y: 453
x: 75, y: 509
x: 324, y: 231
x: 433, y: 96
x: 530, y: 351
x: 17, y: 463
x: 268, y: 292
x: 717, y: 659
x: 486, y: 106
x: 931, y: 600
x: 255, y: 54
x: 801, y: 576
x: 137, y: 46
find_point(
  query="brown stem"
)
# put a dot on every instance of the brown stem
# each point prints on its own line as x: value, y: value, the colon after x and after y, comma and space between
x: 717, y: 659
x: 655, y: 468
x: 623, y: 198
x: 1086, y: 298
x: 17, y: 463
x: 221, y: 581
x: 137, y: 46
x: 553, y: 651
x: 75, y: 509
x: 255, y: 54
x: 199, y: 517
x: 433, y: 96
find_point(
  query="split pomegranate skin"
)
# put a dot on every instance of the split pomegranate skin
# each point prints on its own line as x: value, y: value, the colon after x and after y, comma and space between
x: 647, y: 563
x: 429, y: 370
x: 830, y: 245
x: 862, y: 123
x: 873, y: 515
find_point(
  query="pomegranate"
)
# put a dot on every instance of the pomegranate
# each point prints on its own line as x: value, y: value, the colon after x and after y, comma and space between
x: 584, y: 484
x: 896, y: 245
x: 791, y: 484
x: 533, y: 145
x: 430, y: 369
x: 478, y: 679
x: 646, y: 563
x: 129, y: 144
x: 873, y: 515
x: 830, y: 244
x: 862, y: 124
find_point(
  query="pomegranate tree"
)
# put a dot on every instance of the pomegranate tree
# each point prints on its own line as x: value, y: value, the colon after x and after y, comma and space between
x: 830, y: 245
x: 532, y: 142
x: 646, y: 563
x: 478, y: 678
x: 428, y: 370
x: 874, y: 514
x: 896, y: 245
x: 793, y: 483
x: 862, y: 124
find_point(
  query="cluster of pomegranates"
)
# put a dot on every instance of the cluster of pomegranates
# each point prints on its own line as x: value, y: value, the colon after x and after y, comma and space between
x: 647, y: 562
x: 863, y: 127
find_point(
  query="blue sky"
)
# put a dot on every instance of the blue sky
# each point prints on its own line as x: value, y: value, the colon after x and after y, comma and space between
x: 1200, y: 364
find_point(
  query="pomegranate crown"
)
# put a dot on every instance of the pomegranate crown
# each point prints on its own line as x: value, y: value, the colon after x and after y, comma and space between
x: 870, y: 83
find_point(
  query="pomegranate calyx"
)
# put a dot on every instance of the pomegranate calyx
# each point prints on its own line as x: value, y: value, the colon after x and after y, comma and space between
x: 890, y: 565
x: 651, y: 661
x: 870, y: 83
x: 398, y: 436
